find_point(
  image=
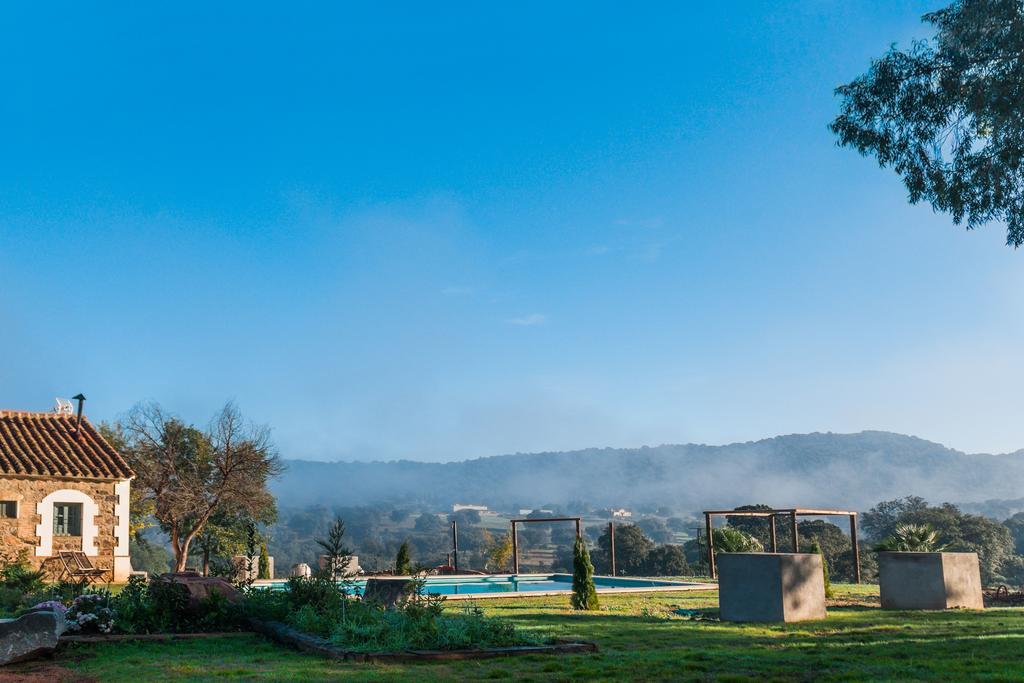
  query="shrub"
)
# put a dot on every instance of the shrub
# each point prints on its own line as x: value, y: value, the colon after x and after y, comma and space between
x: 816, y: 548
x: 584, y: 593
x: 163, y: 607
x: 403, y: 563
x: 91, y: 613
x: 19, y: 575
x: 422, y: 624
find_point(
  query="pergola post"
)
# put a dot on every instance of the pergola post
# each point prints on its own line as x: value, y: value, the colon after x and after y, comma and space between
x: 515, y: 548
x: 793, y: 532
x: 611, y: 549
x: 455, y: 545
x: 856, y: 548
x: 774, y: 537
x: 711, y: 545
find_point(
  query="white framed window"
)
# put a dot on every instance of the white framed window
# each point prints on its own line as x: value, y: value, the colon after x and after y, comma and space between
x: 67, y: 519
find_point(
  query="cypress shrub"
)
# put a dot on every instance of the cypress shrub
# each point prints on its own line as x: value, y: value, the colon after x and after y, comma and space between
x: 816, y: 548
x: 584, y: 592
x: 264, y: 567
x: 403, y: 563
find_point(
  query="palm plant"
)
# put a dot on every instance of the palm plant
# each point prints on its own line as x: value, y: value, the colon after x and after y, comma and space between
x: 912, y: 538
x: 730, y: 540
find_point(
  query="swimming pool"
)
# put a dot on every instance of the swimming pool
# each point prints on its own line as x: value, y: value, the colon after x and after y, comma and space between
x: 509, y: 585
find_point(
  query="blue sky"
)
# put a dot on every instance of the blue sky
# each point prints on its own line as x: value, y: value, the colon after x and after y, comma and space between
x: 439, y: 232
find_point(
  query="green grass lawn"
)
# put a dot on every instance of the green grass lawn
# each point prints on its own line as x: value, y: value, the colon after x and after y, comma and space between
x: 640, y: 638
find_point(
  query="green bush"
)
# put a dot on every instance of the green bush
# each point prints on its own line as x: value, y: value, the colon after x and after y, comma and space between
x: 584, y: 592
x: 422, y: 624
x: 319, y: 606
x: 163, y: 607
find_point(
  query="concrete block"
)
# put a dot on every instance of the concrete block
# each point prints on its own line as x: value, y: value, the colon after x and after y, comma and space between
x: 770, y: 587
x: 929, y: 580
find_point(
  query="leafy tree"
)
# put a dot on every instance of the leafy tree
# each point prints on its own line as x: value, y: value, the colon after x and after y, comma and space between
x: 148, y: 556
x: 836, y: 548
x: 465, y: 517
x: 189, y: 475
x: 816, y: 548
x: 1016, y: 526
x: 564, y: 533
x: 912, y: 538
x: 403, y: 563
x: 226, y: 534
x: 499, y: 553
x: 959, y: 532
x: 969, y: 533
x: 756, y: 527
x: 677, y: 524
x: 880, y: 521
x: 656, y: 530
x: 584, y: 592
x: 666, y: 560
x: 428, y: 523
x: 398, y: 515
x: 631, y: 548
x: 946, y: 114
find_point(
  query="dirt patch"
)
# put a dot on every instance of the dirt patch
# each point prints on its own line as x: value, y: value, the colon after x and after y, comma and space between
x: 41, y: 672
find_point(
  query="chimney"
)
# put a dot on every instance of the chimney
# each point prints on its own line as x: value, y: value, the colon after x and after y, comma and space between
x: 78, y: 420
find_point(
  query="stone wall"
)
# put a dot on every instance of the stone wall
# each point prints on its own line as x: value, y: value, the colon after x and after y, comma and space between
x: 32, y: 530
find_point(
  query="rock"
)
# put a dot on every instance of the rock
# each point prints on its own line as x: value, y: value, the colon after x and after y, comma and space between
x: 200, y: 588
x: 301, y: 569
x: 388, y: 592
x: 30, y: 635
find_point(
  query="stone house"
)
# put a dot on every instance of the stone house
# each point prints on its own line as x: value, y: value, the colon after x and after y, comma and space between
x: 62, y: 487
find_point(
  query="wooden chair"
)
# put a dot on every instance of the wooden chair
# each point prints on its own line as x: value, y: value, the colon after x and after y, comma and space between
x: 79, y: 567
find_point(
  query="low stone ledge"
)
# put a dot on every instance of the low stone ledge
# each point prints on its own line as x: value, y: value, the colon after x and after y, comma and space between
x: 286, y: 635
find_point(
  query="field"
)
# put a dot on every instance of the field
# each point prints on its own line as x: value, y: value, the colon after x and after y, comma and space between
x: 641, y: 637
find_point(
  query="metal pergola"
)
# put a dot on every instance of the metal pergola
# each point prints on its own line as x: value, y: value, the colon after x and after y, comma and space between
x: 792, y: 513
x: 515, y: 534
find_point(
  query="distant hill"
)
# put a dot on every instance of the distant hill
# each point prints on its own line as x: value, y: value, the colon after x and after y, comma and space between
x: 838, y: 470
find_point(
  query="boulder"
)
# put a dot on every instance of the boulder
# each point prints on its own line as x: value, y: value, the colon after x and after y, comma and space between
x: 388, y: 592
x: 301, y: 569
x: 201, y: 587
x: 30, y: 635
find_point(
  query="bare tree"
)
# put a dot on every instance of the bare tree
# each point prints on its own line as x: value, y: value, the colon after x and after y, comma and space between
x: 190, y: 475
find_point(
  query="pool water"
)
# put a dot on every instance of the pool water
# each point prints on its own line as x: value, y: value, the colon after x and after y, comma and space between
x: 522, y: 583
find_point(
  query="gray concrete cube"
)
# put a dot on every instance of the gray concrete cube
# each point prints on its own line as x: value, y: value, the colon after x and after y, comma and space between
x: 770, y: 587
x: 929, y: 580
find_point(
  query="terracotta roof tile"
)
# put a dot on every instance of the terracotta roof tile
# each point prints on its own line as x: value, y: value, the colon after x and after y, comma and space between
x: 46, y: 444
